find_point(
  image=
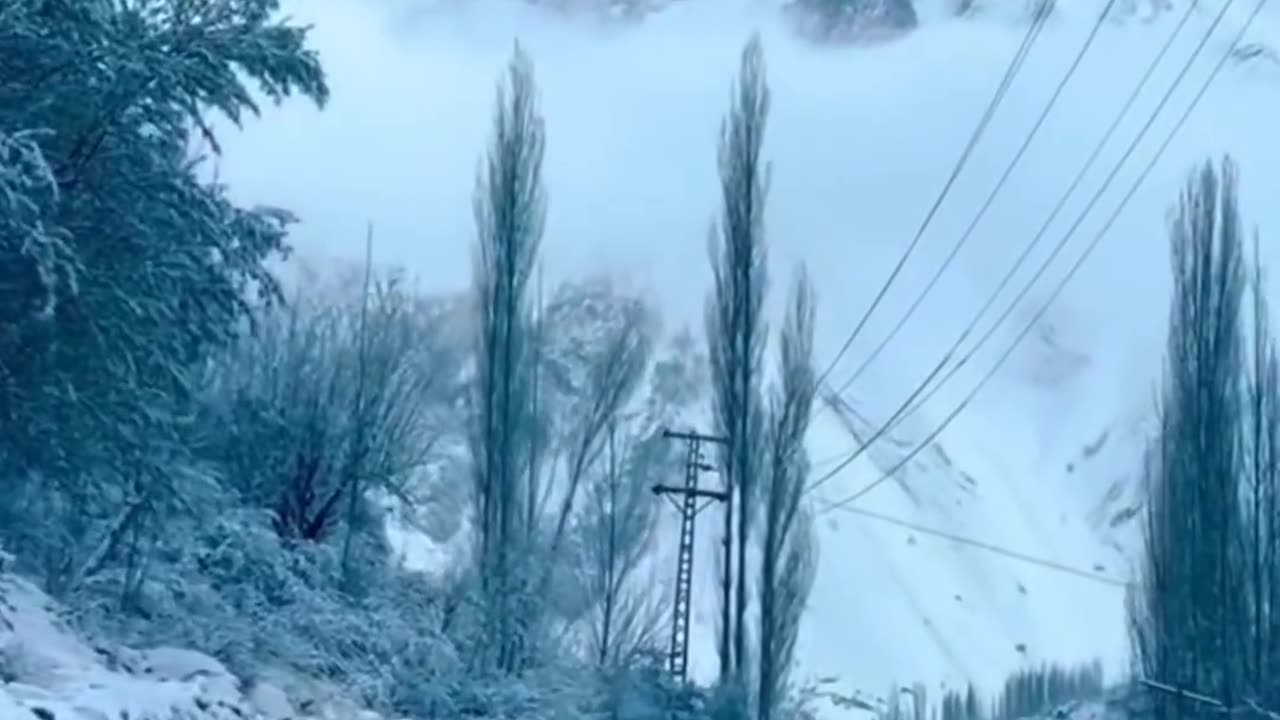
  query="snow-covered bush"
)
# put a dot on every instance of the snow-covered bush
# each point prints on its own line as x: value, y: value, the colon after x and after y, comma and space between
x: 346, y: 393
x: 304, y: 426
x: 254, y: 601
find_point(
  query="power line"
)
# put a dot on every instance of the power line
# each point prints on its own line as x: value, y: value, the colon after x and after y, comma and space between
x: 988, y: 547
x: 910, y: 404
x: 836, y: 402
x: 1093, y: 244
x: 1214, y: 703
x: 828, y: 460
x: 990, y: 200
x: 1048, y: 261
x: 1044, y: 228
x: 1015, y: 64
x: 1182, y: 693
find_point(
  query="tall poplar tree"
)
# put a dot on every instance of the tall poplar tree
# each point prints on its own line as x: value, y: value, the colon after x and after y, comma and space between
x: 509, y: 208
x: 736, y: 328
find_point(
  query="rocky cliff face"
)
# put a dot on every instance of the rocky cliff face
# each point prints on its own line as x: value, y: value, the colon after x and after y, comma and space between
x: 852, y: 21
x: 825, y: 21
x: 606, y: 10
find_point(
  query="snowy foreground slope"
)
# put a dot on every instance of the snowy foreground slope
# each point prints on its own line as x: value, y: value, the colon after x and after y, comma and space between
x: 47, y: 672
x: 1041, y: 463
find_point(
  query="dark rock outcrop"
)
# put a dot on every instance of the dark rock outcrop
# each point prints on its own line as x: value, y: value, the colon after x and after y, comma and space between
x: 852, y: 21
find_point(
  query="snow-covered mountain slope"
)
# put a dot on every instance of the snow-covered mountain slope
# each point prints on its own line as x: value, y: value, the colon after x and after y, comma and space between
x: 1042, y: 462
x: 48, y: 672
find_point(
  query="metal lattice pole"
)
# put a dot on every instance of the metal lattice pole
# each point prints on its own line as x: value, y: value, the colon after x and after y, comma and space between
x: 687, y: 506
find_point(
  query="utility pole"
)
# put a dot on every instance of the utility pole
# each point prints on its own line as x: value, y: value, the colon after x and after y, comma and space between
x: 688, y: 508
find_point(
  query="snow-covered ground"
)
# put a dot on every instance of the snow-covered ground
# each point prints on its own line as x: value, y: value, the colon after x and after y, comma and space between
x: 49, y: 672
x: 1042, y: 462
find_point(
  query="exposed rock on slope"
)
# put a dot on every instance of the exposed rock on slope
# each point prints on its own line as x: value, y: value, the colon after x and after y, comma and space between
x: 852, y: 21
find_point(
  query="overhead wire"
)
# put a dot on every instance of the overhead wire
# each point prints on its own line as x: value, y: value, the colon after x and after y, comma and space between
x: 913, y: 401
x: 1015, y: 65
x: 840, y: 405
x: 902, y: 410
x: 1012, y: 272
x: 828, y: 460
x: 1094, y: 242
x: 990, y: 199
x: 989, y: 547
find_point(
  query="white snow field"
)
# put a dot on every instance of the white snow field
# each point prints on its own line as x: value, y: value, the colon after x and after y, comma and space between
x: 1041, y: 462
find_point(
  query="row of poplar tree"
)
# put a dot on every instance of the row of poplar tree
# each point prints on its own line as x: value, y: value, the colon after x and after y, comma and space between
x: 764, y: 462
x: 1205, y: 615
